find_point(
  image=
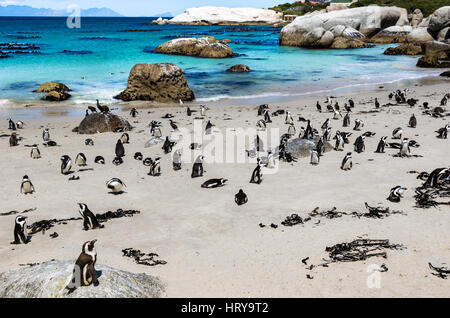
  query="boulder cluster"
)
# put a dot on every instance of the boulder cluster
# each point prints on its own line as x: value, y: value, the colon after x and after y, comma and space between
x: 55, y: 92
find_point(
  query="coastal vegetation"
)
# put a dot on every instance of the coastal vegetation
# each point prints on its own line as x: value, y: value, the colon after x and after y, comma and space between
x: 299, y: 8
x: 426, y: 6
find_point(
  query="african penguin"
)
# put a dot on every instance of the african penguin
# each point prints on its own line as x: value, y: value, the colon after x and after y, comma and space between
x: 405, y: 151
x: 359, y: 144
x: 176, y: 160
x: 125, y: 138
x: 89, y: 219
x: 115, y: 185
x: 396, y: 194
x: 84, y: 273
x: 315, y: 159
x: 339, y: 146
x: 257, y: 174
x: 46, y: 135
x: 214, y: 183
x: 26, y: 187
x: 20, y: 230
x: 240, y: 198
x: 80, y: 160
x: 289, y: 120
x: 397, y: 133
x: 13, y: 140
x: 347, y: 163
x: 35, y: 153
x: 155, y: 168
x: 117, y: 161
x: 381, y: 145
x: 412, y: 121
x: 66, y: 164
x: 147, y: 162
x: 138, y: 156
x: 89, y: 142
x: 346, y: 121
x: 11, y: 125
x: 197, y: 168
x: 19, y: 124
x: 100, y: 160
x: 358, y: 124
x: 133, y: 112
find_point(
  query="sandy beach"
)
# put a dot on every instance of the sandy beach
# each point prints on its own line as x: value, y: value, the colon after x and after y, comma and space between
x: 215, y: 248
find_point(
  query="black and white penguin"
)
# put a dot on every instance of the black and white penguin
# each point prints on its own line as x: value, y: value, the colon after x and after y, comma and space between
x: 13, y: 140
x: 325, y: 125
x: 240, y: 198
x: 89, y: 219
x: 117, y: 161
x: 154, y: 126
x: 257, y: 176
x: 301, y: 132
x: 120, y: 150
x: 381, y: 145
x: 337, y: 114
x: 291, y: 130
x: 339, y: 146
x: 138, y: 156
x: 396, y: 194
x: 66, y: 164
x: 377, y: 103
x: 202, y: 110
x: 262, y: 108
x: 20, y: 230
x: 261, y: 124
x: 214, y: 183
x: 208, y: 128
x: 405, y: 151
x: 176, y: 160
x: 359, y: 144
x: 351, y: 103
x: 84, y: 273
x: 259, y: 145
x: 437, y: 176
x: 20, y: 124
x: 318, y: 107
x: 133, y: 112
x: 346, y: 121
x: 26, y: 187
x: 327, y: 134
x: 168, y: 145
x: 188, y: 111
x: 270, y: 160
x: 197, y: 168
x: 35, y: 153
x: 444, y: 100
x: 100, y: 160
x: 315, y: 159
x: 89, y: 142
x: 288, y: 120
x: 347, y: 163
x: 147, y: 162
x: 443, y: 132
x: 11, y: 125
x: 155, y: 168
x: 46, y: 134
x: 308, y: 131
x: 320, y: 147
x: 266, y: 115
x: 115, y: 185
x: 125, y: 138
x: 173, y: 125
x: 80, y: 160
x: 397, y: 133
x: 358, y: 124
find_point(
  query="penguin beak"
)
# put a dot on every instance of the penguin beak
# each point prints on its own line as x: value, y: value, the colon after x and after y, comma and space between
x: 93, y: 241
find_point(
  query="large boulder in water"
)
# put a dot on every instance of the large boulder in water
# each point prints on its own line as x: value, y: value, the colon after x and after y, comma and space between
x: 161, y: 82
x: 56, y: 92
x: 49, y: 279
x: 206, y: 46
x: 405, y: 49
x: 367, y: 20
x: 437, y: 55
x: 102, y: 122
x: 239, y: 68
x: 393, y: 34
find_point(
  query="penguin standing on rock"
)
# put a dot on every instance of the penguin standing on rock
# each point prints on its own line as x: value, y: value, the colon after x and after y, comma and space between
x: 197, y: 168
x: 84, y: 273
x: 26, y: 187
x: 20, y: 230
x: 66, y: 164
x: 120, y: 150
x: 240, y: 198
x: 89, y: 219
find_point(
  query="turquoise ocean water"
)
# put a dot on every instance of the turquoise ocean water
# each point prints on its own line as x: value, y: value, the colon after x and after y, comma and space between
x: 94, y: 61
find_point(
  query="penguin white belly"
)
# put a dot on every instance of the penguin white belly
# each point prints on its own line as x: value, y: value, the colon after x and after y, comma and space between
x: 27, y: 187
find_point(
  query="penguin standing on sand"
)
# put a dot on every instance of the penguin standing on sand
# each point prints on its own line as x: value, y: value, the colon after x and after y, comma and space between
x: 359, y: 144
x: 197, y: 168
x: 358, y: 124
x: 267, y: 116
x: 257, y: 174
x: 377, y: 103
x: 11, y: 125
x: 115, y: 185
x: 46, y: 135
x: 80, y: 160
x: 13, y: 140
x: 20, y: 230
x: 84, y: 273
x: 202, y: 110
x: 443, y: 132
x: 176, y: 160
x: 351, y: 103
x: 66, y: 164
x: 346, y: 121
x: 339, y: 146
x: 396, y: 194
x: 89, y: 219
x: 155, y: 168
x: 327, y: 134
x: 320, y: 148
x: 35, y: 153
x: 318, y: 107
x: 405, y: 151
x: 168, y: 145
x: 240, y: 198
x: 381, y: 145
x: 347, y: 163
x: 412, y: 121
x: 291, y: 130
x: 270, y: 160
x: 208, y: 128
x: 120, y: 150
x: 315, y: 159
x: 289, y: 120
x: 188, y: 111
x: 26, y: 187
x: 133, y: 112
x: 261, y: 124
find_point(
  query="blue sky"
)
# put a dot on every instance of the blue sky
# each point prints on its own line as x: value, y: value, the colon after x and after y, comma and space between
x: 144, y: 7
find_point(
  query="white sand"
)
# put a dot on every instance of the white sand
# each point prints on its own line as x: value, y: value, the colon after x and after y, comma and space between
x: 215, y: 248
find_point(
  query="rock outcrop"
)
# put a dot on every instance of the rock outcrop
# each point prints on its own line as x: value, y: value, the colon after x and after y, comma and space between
x: 227, y: 16
x: 239, y: 68
x: 49, y: 279
x: 444, y: 35
x: 415, y: 18
x: 393, y: 34
x: 56, y: 92
x: 405, y: 49
x: 437, y: 55
x: 439, y: 20
x: 419, y: 35
x: 162, y: 82
x: 445, y: 74
x: 305, y: 30
x: 207, y: 46
x: 102, y: 122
